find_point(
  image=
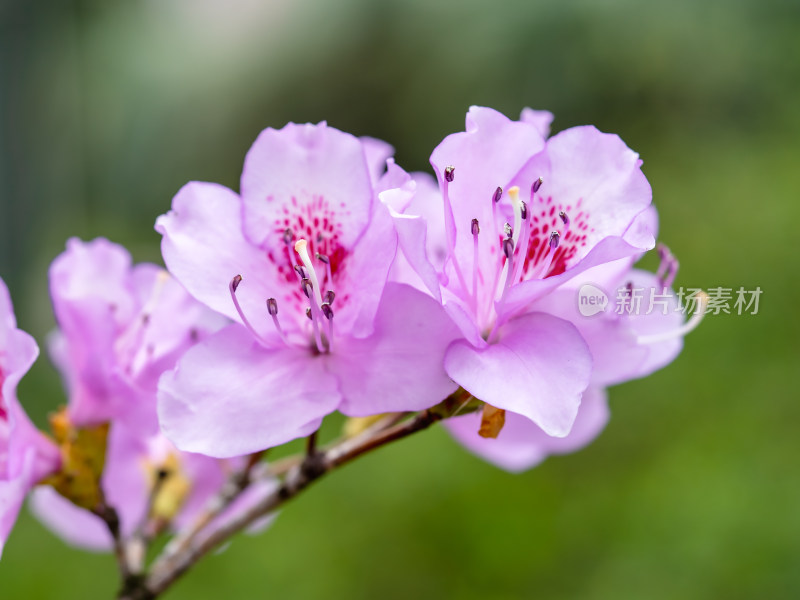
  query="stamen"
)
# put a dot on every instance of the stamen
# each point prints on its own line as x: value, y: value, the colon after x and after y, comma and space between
x: 536, y: 185
x: 327, y: 310
x: 671, y: 273
x: 272, y: 309
x: 329, y: 296
x: 564, y: 218
x: 498, y: 193
x: 301, y: 272
x: 450, y: 226
x: 327, y: 262
x: 508, y: 247
x: 476, y: 229
x: 307, y: 288
x: 541, y: 272
x: 523, y: 209
x: 692, y: 323
x: 232, y: 287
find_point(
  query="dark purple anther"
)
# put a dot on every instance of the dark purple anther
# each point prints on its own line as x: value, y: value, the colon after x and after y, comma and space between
x: 508, y: 230
x: 536, y: 185
x: 288, y: 236
x: 308, y: 313
x: 555, y: 237
x: 272, y: 306
x: 327, y: 310
x: 564, y: 218
x: 323, y: 258
x: 235, y: 283
x: 498, y: 193
x: 449, y: 173
x: 307, y: 287
x: 329, y: 296
x: 476, y: 229
x: 523, y: 209
x: 508, y: 247
x: 301, y: 271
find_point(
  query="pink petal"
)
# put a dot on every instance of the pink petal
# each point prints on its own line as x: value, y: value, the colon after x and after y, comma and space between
x: 399, y: 367
x: 204, y: 248
x: 228, y: 396
x: 538, y: 369
x: 76, y: 526
x: 522, y: 445
x: 377, y: 152
x: 293, y: 166
x: 541, y: 119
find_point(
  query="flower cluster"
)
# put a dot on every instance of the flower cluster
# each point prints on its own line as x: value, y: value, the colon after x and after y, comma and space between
x: 336, y: 281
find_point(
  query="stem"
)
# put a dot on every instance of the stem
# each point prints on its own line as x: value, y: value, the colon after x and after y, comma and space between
x: 167, y: 570
x: 300, y: 472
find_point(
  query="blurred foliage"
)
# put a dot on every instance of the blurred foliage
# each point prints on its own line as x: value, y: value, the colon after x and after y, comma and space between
x: 108, y: 107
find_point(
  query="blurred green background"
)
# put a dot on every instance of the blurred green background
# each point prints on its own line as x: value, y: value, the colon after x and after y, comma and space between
x: 693, y: 491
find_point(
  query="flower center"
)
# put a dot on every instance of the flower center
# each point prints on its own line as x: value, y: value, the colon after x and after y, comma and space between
x: 526, y: 240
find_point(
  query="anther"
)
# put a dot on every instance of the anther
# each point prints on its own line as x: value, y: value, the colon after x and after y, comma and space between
x: 564, y: 218
x: 476, y: 229
x: 329, y: 296
x: 498, y: 193
x: 272, y: 306
x: 449, y: 174
x: 327, y: 310
x: 323, y: 258
x: 555, y: 237
x: 308, y: 313
x: 508, y: 247
x: 288, y: 236
x: 507, y: 230
x: 536, y: 185
x: 301, y: 271
x: 232, y: 287
x: 523, y: 209
x: 307, y: 287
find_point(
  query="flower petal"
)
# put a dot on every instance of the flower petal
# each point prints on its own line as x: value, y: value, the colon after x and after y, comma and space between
x: 377, y: 152
x: 538, y: 369
x: 204, y: 248
x: 541, y: 119
x: 228, y: 396
x: 399, y: 367
x: 522, y: 445
x: 300, y: 164
x: 76, y: 526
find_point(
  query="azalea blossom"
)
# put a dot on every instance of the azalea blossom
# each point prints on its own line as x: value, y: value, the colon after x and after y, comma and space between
x: 26, y: 456
x: 583, y: 191
x: 120, y: 327
x: 299, y: 259
x: 506, y: 270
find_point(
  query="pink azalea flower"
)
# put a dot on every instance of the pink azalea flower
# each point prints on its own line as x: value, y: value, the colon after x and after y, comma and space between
x: 502, y: 253
x: 26, y: 456
x: 299, y: 259
x: 588, y: 215
x: 120, y: 327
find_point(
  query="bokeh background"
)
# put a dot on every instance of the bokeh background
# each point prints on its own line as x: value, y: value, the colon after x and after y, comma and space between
x: 107, y: 107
